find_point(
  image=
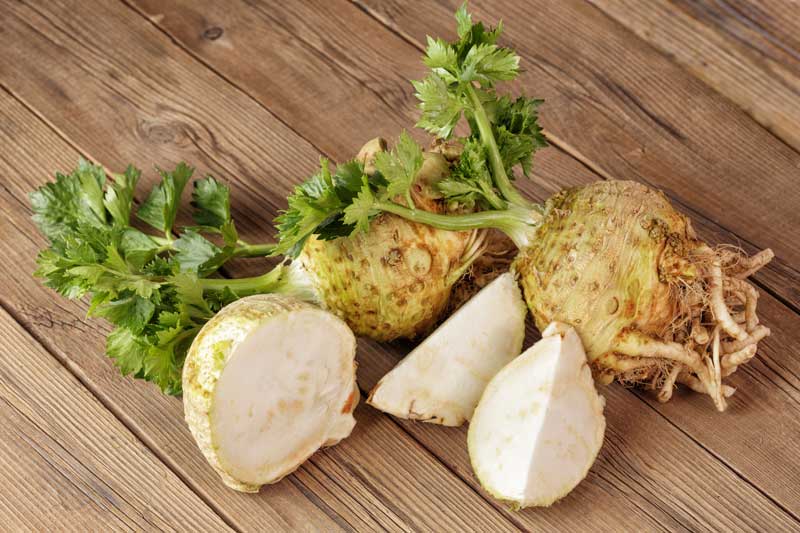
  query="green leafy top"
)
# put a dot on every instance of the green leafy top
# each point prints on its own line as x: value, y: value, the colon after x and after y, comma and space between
x: 504, y: 134
x: 341, y: 203
x: 461, y: 82
x: 146, y: 285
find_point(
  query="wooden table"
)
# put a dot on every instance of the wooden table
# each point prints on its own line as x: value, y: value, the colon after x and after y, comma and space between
x: 700, y: 99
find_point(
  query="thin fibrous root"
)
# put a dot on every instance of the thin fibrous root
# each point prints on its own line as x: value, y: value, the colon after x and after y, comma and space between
x: 758, y: 333
x: 716, y: 330
x: 718, y: 307
x: 696, y: 385
x: 635, y: 344
x: 665, y: 393
x: 734, y: 359
x: 739, y: 317
x: 715, y: 371
x: 748, y: 266
x: 750, y: 301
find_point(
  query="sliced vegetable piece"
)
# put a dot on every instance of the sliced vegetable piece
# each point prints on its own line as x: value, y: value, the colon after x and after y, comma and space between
x: 267, y: 382
x: 442, y: 380
x: 539, y: 424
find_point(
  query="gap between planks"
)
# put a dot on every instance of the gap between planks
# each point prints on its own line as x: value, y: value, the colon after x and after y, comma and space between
x: 248, y: 95
x: 557, y: 142
x: 565, y: 147
x: 125, y: 420
x: 716, y: 456
x: 211, y: 67
x: 42, y: 346
x: 781, y: 135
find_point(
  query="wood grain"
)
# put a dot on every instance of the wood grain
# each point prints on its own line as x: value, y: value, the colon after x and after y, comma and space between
x: 629, y: 113
x: 188, y: 22
x: 748, y: 51
x: 67, y: 464
x: 159, y: 419
x: 649, y: 463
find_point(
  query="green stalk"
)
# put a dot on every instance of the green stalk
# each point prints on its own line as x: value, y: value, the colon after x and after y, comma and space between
x: 283, y: 279
x: 272, y: 281
x: 254, y: 250
x: 519, y: 223
x: 487, y: 138
x: 243, y: 250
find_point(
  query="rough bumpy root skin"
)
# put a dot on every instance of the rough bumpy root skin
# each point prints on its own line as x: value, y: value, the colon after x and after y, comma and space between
x: 392, y: 282
x: 395, y: 280
x: 654, y: 305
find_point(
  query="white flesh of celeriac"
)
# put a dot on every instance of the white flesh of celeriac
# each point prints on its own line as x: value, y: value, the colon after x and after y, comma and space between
x: 539, y: 424
x: 442, y: 380
x: 267, y: 382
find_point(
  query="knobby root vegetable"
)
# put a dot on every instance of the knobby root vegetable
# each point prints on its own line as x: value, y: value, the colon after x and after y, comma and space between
x: 395, y: 280
x: 539, y: 424
x: 442, y: 380
x: 653, y: 304
x: 267, y: 382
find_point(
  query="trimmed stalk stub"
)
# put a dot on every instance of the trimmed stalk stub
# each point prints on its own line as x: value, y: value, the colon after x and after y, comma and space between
x: 539, y: 425
x: 267, y: 382
x: 442, y: 380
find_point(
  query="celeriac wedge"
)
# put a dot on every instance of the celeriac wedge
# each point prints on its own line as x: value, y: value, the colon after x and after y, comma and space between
x: 442, y: 380
x: 539, y: 424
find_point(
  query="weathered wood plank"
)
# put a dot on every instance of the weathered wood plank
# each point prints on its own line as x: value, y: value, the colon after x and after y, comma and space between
x: 189, y: 21
x: 766, y: 407
x: 630, y: 113
x: 727, y: 46
x: 67, y: 464
x: 200, y: 97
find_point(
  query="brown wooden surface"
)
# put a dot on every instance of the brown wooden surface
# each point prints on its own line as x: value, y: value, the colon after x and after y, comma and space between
x: 696, y: 98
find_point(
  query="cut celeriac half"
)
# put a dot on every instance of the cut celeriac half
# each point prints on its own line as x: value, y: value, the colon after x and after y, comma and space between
x: 539, y: 424
x: 442, y: 379
x: 267, y: 382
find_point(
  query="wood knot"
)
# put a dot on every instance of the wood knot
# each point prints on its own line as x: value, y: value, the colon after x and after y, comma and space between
x: 213, y: 33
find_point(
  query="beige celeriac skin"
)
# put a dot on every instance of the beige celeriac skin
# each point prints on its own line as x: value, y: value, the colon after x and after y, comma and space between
x: 260, y: 404
x: 605, y: 263
x: 652, y: 303
x: 393, y: 281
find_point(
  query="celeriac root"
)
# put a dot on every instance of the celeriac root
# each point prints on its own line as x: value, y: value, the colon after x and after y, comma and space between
x: 718, y: 331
